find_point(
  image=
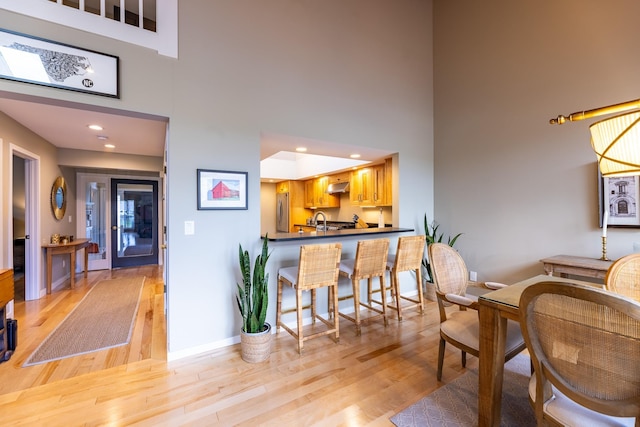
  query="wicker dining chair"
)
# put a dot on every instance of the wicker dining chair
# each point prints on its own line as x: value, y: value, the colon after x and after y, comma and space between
x: 370, y: 262
x: 623, y: 277
x: 317, y: 268
x: 408, y: 257
x: 584, y: 344
x: 461, y: 328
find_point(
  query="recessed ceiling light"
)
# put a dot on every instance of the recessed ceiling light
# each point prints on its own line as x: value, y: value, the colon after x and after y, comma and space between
x: 355, y: 156
x: 95, y: 127
x: 301, y: 149
x: 109, y: 146
x: 103, y: 137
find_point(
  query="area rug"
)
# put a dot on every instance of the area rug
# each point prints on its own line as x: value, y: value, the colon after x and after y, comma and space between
x: 456, y: 404
x: 103, y: 319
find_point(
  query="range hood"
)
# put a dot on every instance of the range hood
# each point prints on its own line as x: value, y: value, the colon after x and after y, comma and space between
x: 340, y: 187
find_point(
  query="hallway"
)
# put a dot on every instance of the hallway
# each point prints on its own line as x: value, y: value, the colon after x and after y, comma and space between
x: 36, y: 319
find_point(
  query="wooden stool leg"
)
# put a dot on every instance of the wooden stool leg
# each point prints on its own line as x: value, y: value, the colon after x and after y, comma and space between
x: 420, y: 293
x: 279, y: 305
x: 384, y: 299
x: 356, y: 304
x: 394, y: 284
x: 299, y: 313
x: 333, y: 290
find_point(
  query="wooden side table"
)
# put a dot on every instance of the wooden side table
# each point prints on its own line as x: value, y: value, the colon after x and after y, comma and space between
x: 67, y: 248
x: 564, y: 265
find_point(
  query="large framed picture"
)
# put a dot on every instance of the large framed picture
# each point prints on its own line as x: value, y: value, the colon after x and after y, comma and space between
x: 222, y: 189
x: 619, y: 195
x: 43, y: 62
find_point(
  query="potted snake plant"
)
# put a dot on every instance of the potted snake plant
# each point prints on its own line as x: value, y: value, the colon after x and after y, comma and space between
x: 431, y: 231
x: 253, y: 301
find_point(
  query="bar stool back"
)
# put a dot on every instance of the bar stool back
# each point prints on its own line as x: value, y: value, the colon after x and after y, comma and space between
x: 370, y: 262
x: 408, y: 257
x: 317, y: 268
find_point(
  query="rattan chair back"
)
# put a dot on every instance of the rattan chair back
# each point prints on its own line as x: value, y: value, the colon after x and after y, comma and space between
x: 585, y: 342
x: 448, y: 269
x: 409, y: 253
x: 318, y: 266
x: 623, y: 277
x: 371, y: 259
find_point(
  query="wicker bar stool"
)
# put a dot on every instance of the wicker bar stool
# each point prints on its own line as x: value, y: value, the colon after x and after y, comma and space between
x: 370, y: 262
x: 317, y: 268
x: 408, y: 257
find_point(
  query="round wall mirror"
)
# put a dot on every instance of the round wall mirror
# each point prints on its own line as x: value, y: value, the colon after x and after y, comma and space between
x: 59, y: 198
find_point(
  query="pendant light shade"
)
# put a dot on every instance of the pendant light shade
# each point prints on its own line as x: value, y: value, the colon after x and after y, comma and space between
x: 616, y: 141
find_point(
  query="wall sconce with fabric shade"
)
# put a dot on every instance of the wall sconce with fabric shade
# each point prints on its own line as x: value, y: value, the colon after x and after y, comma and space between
x: 616, y: 140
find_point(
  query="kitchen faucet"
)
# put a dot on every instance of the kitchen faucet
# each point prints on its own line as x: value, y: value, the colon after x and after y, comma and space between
x: 324, y: 217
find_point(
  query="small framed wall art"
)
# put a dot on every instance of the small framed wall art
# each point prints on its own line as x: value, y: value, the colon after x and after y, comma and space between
x: 43, y: 62
x: 619, y: 197
x: 222, y: 189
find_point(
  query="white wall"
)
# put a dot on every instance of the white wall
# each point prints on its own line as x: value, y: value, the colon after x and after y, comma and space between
x: 518, y: 188
x: 358, y: 73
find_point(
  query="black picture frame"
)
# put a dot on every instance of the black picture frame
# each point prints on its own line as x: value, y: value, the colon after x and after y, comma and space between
x: 619, y: 194
x: 34, y: 60
x: 219, y: 189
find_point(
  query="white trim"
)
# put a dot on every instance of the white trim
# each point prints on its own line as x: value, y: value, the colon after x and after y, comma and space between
x: 164, y: 40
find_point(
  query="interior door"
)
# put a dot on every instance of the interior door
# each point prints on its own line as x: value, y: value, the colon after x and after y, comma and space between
x: 134, y: 222
x: 93, y: 218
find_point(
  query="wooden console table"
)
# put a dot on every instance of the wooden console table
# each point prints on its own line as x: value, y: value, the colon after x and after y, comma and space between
x: 67, y: 248
x: 576, y: 265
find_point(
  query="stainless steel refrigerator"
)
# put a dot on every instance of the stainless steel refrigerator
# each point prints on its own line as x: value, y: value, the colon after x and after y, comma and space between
x: 282, y: 212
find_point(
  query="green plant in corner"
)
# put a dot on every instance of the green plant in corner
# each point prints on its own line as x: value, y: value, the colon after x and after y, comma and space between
x: 431, y: 231
x: 253, y: 295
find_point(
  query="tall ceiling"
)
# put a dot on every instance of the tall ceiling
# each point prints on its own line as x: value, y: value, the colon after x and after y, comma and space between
x: 65, y: 125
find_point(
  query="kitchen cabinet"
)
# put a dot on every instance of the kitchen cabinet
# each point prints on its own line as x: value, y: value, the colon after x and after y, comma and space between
x: 297, y: 214
x: 371, y: 185
x: 316, y: 195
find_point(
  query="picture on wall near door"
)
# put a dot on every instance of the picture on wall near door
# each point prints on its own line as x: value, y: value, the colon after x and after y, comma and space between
x: 619, y: 196
x: 222, y: 189
x: 39, y: 61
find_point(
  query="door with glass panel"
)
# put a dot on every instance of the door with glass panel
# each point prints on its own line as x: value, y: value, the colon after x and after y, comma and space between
x: 93, y: 219
x: 134, y: 222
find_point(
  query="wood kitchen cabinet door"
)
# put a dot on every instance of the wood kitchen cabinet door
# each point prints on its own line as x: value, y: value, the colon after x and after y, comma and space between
x: 309, y: 193
x: 324, y: 199
x: 371, y: 186
x: 362, y: 183
x: 316, y: 196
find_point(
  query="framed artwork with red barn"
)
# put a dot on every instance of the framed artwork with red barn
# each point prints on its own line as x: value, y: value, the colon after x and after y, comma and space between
x: 222, y: 189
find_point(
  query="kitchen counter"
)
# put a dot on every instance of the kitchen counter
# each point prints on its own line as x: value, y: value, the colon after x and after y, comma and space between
x: 347, y: 232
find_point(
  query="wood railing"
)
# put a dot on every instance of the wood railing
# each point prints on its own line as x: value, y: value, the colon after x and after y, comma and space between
x: 157, y: 30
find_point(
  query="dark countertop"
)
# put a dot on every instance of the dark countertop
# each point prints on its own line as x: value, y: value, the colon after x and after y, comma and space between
x: 348, y: 232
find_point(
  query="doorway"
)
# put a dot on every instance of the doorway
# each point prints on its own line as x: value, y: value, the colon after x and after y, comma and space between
x: 24, y: 230
x: 134, y: 222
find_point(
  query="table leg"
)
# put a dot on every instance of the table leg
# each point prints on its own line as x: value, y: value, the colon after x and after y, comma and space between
x: 72, y: 268
x: 49, y: 271
x: 493, y: 334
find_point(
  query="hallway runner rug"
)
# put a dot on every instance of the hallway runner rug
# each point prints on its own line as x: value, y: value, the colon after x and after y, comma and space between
x: 103, y: 319
x: 456, y: 404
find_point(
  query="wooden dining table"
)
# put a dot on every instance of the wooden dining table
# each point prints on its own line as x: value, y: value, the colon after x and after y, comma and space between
x: 494, y: 310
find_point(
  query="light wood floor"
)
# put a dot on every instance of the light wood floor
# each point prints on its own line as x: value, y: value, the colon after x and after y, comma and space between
x: 360, y: 381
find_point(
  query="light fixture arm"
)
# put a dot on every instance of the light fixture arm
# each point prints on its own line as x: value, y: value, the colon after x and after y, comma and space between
x: 610, y: 109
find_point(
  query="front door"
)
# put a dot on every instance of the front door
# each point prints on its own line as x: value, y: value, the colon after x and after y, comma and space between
x: 134, y: 222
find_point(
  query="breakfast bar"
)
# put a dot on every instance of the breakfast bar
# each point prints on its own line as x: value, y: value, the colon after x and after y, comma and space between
x: 347, y: 232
